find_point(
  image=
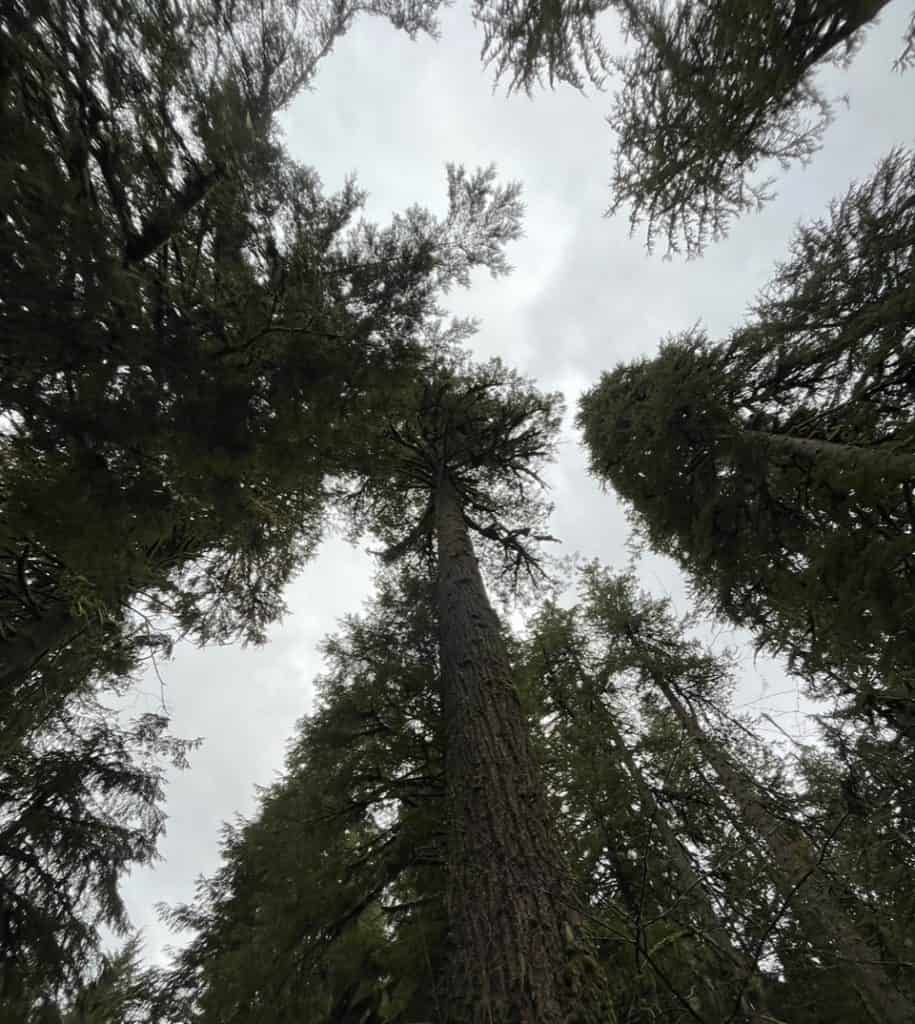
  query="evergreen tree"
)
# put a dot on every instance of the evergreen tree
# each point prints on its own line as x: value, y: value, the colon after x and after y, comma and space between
x: 330, y: 905
x: 460, y: 460
x: 119, y: 992
x: 508, y: 939
x: 822, y: 903
x: 333, y: 901
x: 778, y: 467
x: 865, y: 785
x: 191, y: 324
x: 80, y: 803
x: 710, y: 92
x: 535, y: 42
x: 191, y: 328
x: 602, y: 767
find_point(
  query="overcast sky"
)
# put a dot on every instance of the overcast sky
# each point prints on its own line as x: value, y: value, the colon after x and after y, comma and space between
x: 583, y: 296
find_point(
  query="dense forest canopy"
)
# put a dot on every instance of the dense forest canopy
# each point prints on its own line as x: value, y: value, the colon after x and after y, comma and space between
x: 527, y: 792
x: 777, y: 466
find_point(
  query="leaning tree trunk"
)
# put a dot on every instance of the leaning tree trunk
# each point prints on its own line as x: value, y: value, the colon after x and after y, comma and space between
x: 521, y: 955
x: 798, y: 874
x: 689, y: 885
x: 881, y: 461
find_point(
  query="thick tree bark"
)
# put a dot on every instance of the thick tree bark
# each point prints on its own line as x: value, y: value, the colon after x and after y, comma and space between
x: 520, y: 953
x: 800, y: 879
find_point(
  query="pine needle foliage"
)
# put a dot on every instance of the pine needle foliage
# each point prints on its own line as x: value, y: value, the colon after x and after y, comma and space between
x: 777, y: 466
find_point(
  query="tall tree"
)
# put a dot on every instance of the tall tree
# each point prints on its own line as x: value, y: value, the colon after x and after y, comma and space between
x: 202, y: 482
x: 860, y: 779
x: 192, y: 327
x: 778, y: 467
x: 817, y: 896
x: 711, y: 91
x: 119, y: 990
x: 330, y: 904
x: 460, y: 459
x: 190, y: 321
x: 604, y: 773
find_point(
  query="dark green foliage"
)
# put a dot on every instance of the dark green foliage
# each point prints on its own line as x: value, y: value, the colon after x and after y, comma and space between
x: 855, y: 809
x: 466, y: 444
x: 713, y: 90
x: 541, y: 42
x: 330, y: 903
x: 193, y: 336
x: 118, y: 990
x: 745, y: 824
x: 484, y: 427
x: 679, y: 898
x: 777, y: 466
x: 712, y: 94
x: 80, y: 802
x: 192, y: 330
x: 459, y: 460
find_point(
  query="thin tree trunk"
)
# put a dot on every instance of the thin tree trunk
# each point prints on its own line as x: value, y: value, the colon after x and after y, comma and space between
x: 689, y: 882
x: 798, y: 874
x: 688, y: 879
x: 520, y: 954
x: 850, y: 457
x: 170, y: 216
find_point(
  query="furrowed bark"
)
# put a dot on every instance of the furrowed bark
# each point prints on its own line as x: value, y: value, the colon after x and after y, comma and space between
x: 520, y: 953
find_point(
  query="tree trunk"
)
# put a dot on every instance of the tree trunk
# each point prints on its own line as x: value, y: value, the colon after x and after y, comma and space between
x: 688, y: 881
x: 520, y: 953
x: 852, y: 458
x: 798, y: 874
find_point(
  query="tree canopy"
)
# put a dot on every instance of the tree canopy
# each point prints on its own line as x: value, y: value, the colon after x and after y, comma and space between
x: 191, y: 329
x: 207, y: 360
x: 712, y: 94
x: 195, y: 322
x: 333, y: 899
x: 81, y: 800
x: 777, y: 466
